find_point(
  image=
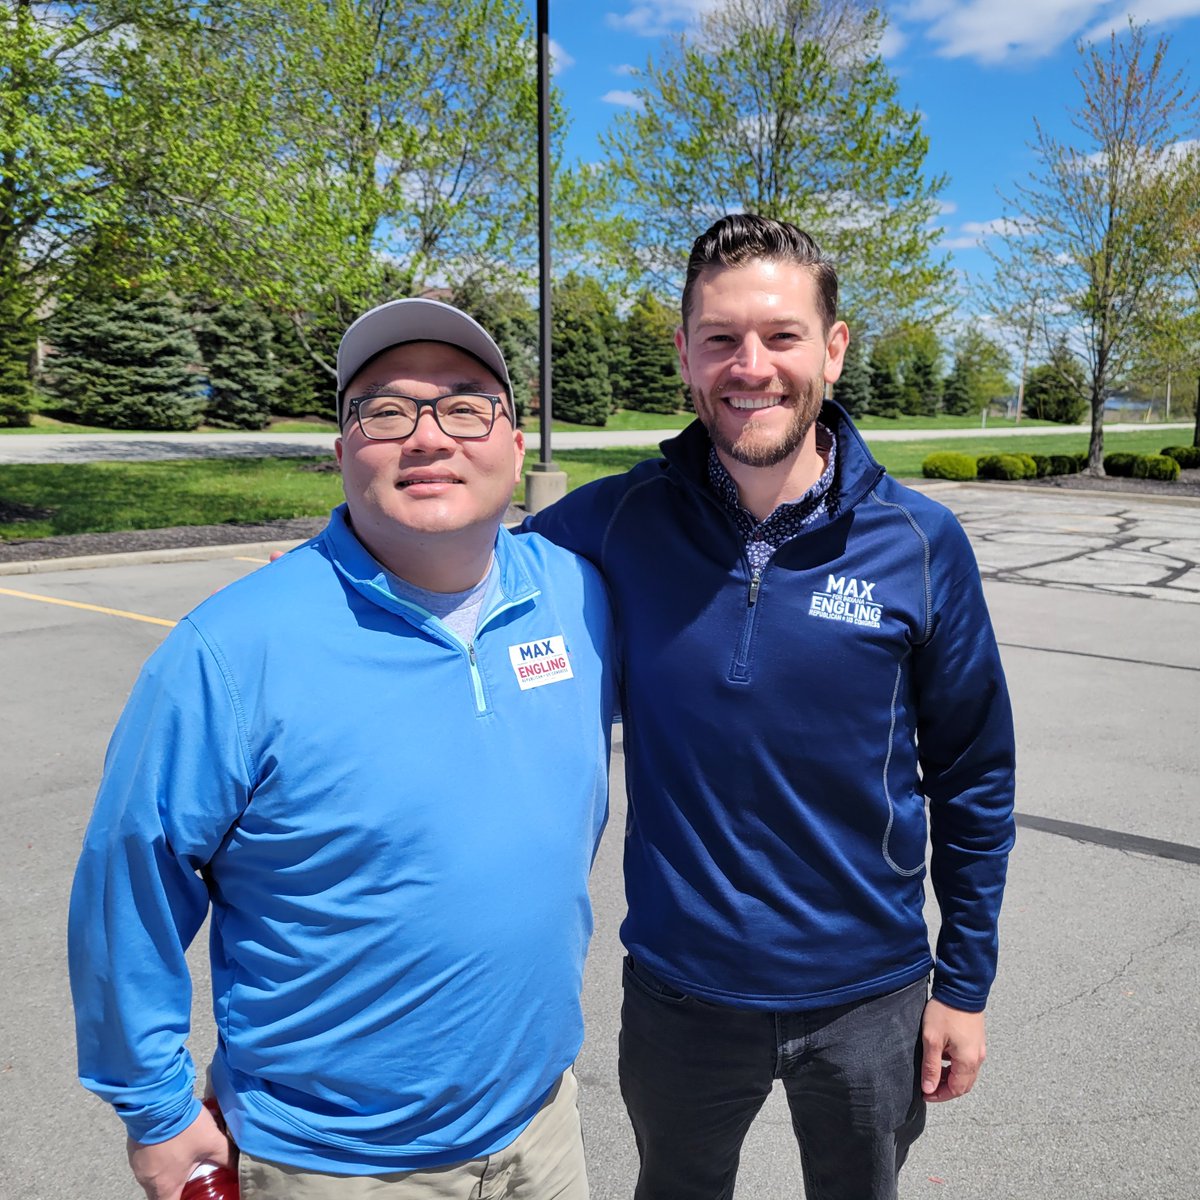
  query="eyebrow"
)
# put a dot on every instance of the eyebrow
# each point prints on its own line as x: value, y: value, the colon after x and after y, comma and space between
x: 703, y: 322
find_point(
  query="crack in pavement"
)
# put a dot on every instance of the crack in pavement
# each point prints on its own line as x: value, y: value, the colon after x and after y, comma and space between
x: 1087, y: 993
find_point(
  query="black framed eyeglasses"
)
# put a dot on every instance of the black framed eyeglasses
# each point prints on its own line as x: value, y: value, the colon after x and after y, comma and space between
x: 464, y: 416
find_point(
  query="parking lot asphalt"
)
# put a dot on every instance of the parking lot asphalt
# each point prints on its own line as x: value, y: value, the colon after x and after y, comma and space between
x: 1092, y: 1086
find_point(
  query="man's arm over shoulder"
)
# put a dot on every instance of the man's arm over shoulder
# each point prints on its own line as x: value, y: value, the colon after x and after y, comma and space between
x: 967, y: 755
x: 175, y: 779
x: 582, y: 520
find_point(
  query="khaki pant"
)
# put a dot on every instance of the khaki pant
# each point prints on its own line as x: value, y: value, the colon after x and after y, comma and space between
x: 544, y: 1163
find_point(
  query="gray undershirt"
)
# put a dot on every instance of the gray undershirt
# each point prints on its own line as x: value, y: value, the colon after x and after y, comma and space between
x: 458, y: 611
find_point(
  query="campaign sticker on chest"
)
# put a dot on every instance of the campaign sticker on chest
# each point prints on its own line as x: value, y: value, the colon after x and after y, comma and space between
x: 543, y: 661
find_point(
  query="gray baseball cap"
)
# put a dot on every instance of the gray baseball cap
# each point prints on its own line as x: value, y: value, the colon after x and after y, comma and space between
x: 414, y: 320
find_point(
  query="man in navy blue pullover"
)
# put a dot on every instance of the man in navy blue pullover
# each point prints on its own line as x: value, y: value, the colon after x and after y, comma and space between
x: 381, y: 763
x: 809, y: 670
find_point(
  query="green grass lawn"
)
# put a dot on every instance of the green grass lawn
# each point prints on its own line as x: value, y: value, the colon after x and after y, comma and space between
x: 97, y: 497
x: 103, y: 496
x: 904, y: 459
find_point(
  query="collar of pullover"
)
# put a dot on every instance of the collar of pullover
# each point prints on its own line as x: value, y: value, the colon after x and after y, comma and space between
x: 366, y: 576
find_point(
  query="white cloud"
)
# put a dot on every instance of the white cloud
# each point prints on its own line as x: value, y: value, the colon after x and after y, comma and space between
x: 946, y: 207
x: 893, y: 41
x: 659, y: 18
x: 973, y: 234
x: 1152, y: 12
x: 625, y: 69
x: 560, y: 60
x: 624, y: 99
x: 989, y: 32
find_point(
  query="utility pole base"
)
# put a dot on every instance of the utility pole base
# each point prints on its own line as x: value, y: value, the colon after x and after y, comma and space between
x: 544, y: 484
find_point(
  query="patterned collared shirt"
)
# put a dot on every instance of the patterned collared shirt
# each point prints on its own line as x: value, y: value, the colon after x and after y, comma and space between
x: 763, y: 538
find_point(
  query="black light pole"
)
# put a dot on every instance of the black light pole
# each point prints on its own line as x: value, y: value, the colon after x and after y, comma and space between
x: 543, y: 483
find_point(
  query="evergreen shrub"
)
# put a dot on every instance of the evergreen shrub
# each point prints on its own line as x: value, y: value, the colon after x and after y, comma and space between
x: 1188, y: 457
x: 1120, y: 464
x: 1156, y: 466
x: 1042, y: 462
x: 126, y: 361
x: 949, y: 464
x: 1000, y: 466
x: 1029, y: 463
x: 1064, y: 464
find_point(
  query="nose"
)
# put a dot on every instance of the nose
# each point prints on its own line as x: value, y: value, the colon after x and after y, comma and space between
x: 751, y: 361
x: 427, y: 437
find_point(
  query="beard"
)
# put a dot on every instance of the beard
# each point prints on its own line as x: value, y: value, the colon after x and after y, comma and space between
x: 756, y: 447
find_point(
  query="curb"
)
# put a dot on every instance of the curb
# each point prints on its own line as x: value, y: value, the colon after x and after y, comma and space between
x: 129, y: 558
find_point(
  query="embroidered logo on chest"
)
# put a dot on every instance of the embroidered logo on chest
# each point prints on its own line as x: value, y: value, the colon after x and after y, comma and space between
x: 540, y: 662
x: 849, y: 600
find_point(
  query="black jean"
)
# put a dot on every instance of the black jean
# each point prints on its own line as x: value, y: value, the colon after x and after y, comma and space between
x: 694, y: 1075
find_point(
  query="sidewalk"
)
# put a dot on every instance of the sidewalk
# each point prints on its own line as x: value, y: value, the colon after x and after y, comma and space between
x: 132, y: 447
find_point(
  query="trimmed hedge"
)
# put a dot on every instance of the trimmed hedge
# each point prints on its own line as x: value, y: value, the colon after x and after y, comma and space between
x: 1120, y: 464
x: 1064, y: 464
x: 1156, y: 466
x: 1001, y: 466
x: 1187, y: 457
x: 949, y: 464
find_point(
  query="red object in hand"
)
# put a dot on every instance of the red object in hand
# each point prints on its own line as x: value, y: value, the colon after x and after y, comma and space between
x: 208, y: 1181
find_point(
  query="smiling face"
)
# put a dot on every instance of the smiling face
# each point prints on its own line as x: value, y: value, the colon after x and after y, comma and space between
x: 756, y: 357
x: 428, y: 495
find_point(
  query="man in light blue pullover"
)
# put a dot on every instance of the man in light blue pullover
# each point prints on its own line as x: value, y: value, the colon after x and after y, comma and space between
x: 381, y: 764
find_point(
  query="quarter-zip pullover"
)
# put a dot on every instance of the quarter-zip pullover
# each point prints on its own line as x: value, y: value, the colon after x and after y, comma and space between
x: 787, y: 731
x: 393, y: 829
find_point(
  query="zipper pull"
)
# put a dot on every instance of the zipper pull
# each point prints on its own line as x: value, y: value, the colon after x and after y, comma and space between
x: 755, y: 581
x: 471, y: 652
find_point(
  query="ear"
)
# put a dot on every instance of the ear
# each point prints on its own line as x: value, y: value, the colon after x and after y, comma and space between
x: 836, y: 342
x: 519, y: 446
x: 681, y: 347
x: 337, y: 450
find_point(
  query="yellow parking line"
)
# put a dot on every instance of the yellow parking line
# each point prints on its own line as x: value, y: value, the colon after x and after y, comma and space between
x: 108, y: 612
x: 245, y: 558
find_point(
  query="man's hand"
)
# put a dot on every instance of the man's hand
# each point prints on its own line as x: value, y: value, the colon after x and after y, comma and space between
x: 163, y: 1168
x: 950, y: 1034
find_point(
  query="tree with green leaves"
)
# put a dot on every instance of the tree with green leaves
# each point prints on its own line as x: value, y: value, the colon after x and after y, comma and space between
x: 513, y: 322
x: 652, y: 382
x: 983, y: 366
x: 237, y: 346
x: 582, y: 391
x: 1057, y: 390
x: 154, y: 143
x: 306, y: 389
x: 853, y: 388
x: 126, y: 361
x: 921, y: 393
x: 1095, y: 227
x: 784, y: 108
x: 48, y: 190
x: 956, y: 390
x: 885, y: 383
x: 401, y: 152
x: 18, y: 343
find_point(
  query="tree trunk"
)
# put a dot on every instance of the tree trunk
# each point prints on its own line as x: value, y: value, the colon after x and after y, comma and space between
x: 1096, y: 445
x: 1196, y: 434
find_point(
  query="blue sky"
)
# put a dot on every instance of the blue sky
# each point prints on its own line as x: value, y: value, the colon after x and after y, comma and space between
x: 979, y: 72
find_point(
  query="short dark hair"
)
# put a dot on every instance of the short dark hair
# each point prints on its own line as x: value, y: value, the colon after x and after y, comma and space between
x: 740, y: 238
